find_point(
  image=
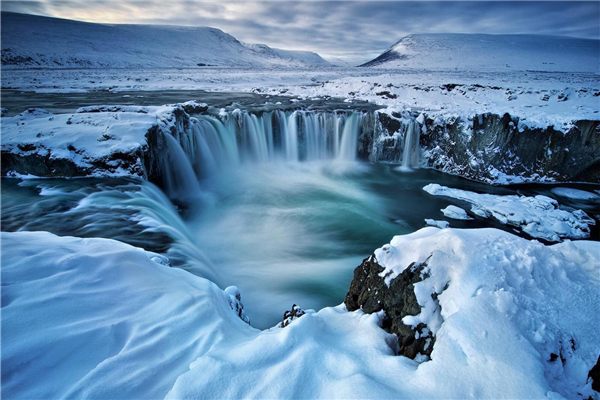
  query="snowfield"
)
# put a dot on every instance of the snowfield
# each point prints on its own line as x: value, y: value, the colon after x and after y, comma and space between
x: 62, y: 43
x: 517, y: 319
x: 539, y: 217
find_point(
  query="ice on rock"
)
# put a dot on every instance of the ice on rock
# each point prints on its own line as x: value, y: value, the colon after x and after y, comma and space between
x: 455, y: 213
x: 437, y: 224
x: 540, y: 217
x: 576, y: 194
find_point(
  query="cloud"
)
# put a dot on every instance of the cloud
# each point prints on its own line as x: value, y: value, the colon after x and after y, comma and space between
x: 352, y: 30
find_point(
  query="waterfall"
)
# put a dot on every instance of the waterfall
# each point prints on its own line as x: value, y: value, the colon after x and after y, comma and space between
x: 349, y: 138
x: 179, y: 177
x: 410, y: 156
x: 210, y: 144
x: 241, y: 137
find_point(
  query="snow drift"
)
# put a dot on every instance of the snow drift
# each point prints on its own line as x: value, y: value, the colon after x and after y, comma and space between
x: 42, y: 42
x: 516, y: 319
x: 491, y: 52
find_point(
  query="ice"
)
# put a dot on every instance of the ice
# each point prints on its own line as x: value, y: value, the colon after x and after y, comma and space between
x: 539, y: 216
x: 437, y: 224
x: 576, y: 194
x: 455, y: 213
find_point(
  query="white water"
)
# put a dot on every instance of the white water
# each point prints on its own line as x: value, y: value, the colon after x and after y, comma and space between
x: 410, y: 156
x: 214, y: 144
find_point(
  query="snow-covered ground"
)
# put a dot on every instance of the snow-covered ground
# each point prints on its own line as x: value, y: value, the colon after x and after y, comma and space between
x: 539, y: 216
x: 84, y: 138
x: 518, y: 319
x: 492, y: 52
x: 538, y: 99
x: 62, y: 43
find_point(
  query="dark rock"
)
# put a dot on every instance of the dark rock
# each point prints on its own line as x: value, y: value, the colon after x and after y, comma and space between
x: 387, y: 95
x: 492, y: 144
x: 369, y: 292
x: 594, y: 375
x: 291, y: 315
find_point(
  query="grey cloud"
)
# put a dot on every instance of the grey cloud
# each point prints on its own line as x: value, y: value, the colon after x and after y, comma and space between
x: 355, y: 30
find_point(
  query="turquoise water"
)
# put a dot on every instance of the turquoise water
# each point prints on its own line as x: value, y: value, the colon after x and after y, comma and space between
x: 283, y: 233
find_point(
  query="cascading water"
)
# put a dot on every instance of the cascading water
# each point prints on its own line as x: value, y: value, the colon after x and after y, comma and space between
x: 275, y: 135
x: 179, y: 177
x: 410, y: 156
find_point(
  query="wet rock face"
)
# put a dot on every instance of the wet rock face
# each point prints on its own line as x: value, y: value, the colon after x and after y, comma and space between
x: 490, y: 145
x: 498, y: 141
x: 369, y: 292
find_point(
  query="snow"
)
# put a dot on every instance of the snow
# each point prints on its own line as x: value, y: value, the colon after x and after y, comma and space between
x: 53, y: 42
x: 437, y: 224
x: 84, y: 138
x: 98, y: 318
x: 575, y: 194
x: 493, y: 52
x: 143, y: 330
x: 455, y: 213
x: 539, y: 216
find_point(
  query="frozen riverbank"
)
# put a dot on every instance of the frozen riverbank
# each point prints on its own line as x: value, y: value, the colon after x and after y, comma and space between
x: 144, y: 329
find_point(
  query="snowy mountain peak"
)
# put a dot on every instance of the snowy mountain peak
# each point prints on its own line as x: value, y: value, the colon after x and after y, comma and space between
x: 491, y: 52
x: 43, y: 42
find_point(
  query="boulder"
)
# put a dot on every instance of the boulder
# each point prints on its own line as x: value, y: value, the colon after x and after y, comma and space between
x: 369, y: 292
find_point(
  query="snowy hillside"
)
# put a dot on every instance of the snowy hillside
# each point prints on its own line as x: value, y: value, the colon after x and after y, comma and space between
x: 34, y: 41
x: 493, y: 52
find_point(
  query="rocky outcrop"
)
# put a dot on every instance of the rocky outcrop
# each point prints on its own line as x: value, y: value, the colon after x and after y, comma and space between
x: 496, y: 148
x: 235, y: 302
x: 130, y: 141
x: 370, y: 293
x: 291, y: 315
x: 107, y: 141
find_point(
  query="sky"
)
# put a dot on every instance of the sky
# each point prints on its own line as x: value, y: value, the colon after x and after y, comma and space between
x: 350, y: 31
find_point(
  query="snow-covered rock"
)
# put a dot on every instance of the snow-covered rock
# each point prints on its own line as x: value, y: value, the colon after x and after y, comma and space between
x: 102, y: 141
x: 576, y: 194
x: 61, y: 43
x: 437, y: 224
x: 508, y: 306
x: 455, y: 213
x: 491, y: 52
x: 539, y: 216
x: 80, y: 144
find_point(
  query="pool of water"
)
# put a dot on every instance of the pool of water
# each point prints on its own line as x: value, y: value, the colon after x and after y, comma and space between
x: 284, y: 233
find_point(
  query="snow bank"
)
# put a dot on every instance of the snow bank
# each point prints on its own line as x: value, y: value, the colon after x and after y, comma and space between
x: 95, y: 318
x: 98, y: 318
x: 509, y: 305
x: 96, y: 141
x: 539, y: 216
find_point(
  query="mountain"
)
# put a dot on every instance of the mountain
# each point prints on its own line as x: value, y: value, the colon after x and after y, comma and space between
x: 35, y: 41
x: 493, y: 52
